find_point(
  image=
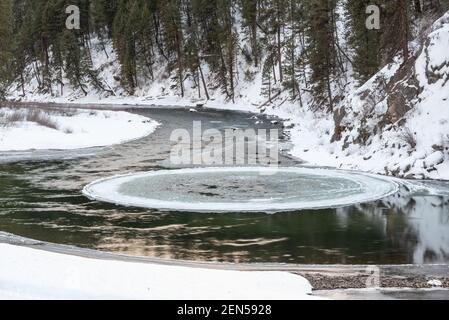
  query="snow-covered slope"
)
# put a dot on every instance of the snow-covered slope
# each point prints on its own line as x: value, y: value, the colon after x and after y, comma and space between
x: 396, y: 124
x: 32, y: 274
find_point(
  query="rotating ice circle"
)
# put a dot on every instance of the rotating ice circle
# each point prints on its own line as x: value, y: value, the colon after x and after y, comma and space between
x: 241, y: 189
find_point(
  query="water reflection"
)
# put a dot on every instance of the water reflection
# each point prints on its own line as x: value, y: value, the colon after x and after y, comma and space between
x: 42, y: 200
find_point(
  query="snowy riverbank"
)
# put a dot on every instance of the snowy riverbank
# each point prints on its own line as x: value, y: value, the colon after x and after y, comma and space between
x: 311, y: 135
x: 394, y: 124
x: 34, y: 274
x: 39, y: 129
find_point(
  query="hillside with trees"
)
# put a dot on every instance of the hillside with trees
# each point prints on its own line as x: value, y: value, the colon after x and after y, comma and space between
x: 300, y: 46
x: 306, y: 56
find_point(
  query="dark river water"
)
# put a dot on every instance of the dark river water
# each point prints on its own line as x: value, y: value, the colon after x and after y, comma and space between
x: 40, y: 198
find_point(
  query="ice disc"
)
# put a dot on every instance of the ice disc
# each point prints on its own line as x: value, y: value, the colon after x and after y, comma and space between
x: 242, y: 189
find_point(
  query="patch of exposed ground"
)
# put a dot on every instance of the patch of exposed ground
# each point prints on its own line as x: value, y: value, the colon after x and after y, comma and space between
x: 327, y: 282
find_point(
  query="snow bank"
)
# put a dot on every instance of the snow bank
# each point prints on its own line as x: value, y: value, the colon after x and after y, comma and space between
x: 33, y: 274
x: 73, y: 130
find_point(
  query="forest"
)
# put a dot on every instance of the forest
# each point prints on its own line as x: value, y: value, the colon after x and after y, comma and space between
x: 295, y: 44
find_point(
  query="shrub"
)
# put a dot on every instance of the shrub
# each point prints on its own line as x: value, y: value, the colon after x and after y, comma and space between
x: 8, y: 119
x: 41, y: 118
x: 409, y: 138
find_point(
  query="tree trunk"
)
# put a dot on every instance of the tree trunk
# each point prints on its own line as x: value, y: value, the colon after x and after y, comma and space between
x: 204, y: 81
x: 22, y: 80
x: 254, y: 35
x: 405, y: 30
x: 279, y: 45
x: 418, y: 8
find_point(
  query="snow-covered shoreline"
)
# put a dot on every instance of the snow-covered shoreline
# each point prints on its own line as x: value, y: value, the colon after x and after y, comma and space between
x: 395, y: 124
x: 314, y: 147
x: 71, y: 129
x: 27, y: 273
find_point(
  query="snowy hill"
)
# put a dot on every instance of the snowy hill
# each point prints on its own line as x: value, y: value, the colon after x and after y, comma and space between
x: 396, y: 124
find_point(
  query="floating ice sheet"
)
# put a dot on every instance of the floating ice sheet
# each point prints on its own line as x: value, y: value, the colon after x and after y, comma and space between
x: 241, y: 189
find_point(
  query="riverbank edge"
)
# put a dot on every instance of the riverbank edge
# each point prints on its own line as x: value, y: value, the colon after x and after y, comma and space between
x: 38, y: 270
x: 321, y: 277
x: 150, y: 127
x: 136, y: 104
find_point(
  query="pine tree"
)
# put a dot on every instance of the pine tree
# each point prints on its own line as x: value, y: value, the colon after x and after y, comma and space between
x: 321, y: 49
x: 73, y: 60
x: 364, y: 42
x: 292, y: 64
x: 395, y: 29
x: 124, y: 43
x: 5, y: 45
x: 21, y: 54
x: 230, y: 40
x: 99, y: 21
x: 145, y: 30
x: 293, y: 43
x: 267, y: 82
x: 249, y: 11
x: 174, y: 38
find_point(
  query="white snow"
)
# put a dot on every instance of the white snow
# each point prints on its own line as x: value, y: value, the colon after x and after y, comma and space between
x: 33, y: 274
x: 388, y: 152
x: 435, y: 283
x: 385, y: 153
x: 74, y: 130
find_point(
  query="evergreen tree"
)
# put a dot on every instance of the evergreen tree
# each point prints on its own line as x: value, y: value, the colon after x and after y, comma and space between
x: 364, y: 42
x: 293, y: 43
x: 5, y: 45
x: 321, y: 48
x: 249, y: 11
x: 293, y: 62
x: 174, y: 39
x: 124, y: 43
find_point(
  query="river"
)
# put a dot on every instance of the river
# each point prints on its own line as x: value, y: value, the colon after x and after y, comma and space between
x: 40, y: 198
